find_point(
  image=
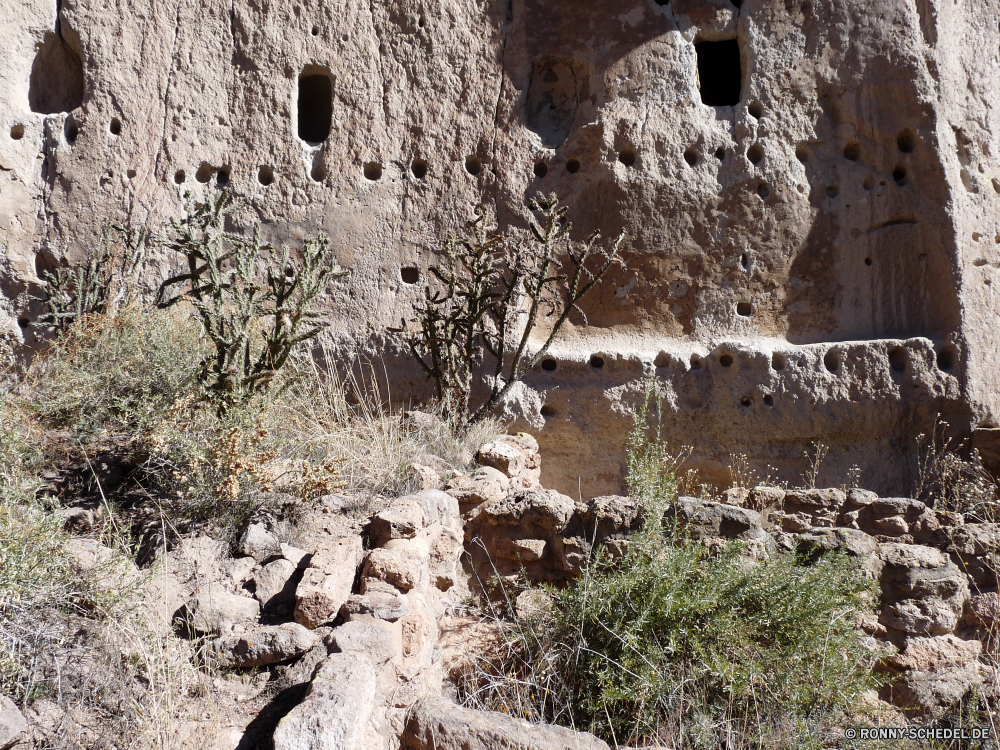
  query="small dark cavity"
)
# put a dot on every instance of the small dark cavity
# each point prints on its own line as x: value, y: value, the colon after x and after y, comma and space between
x: 746, y: 401
x: 899, y: 175
x: 755, y: 154
x: 116, y: 126
x: 832, y: 360
x: 906, y: 141
x: 409, y: 274
x: 898, y: 359
x: 852, y: 151
x: 549, y: 364
x: 473, y: 165
x: 946, y: 358
x: 315, y: 31
x: 222, y: 177
x: 131, y: 173
x: 662, y: 360
x: 744, y: 309
x: 756, y: 110
x: 548, y: 410
x: 768, y: 400
x: 695, y: 362
x: 17, y: 132
x: 868, y: 184
x: 745, y: 260
x: 204, y: 173
x: 763, y: 191
x: 692, y: 157
x: 832, y: 191
x: 421, y: 22
x: 802, y: 153
x: 778, y: 361
x: 72, y: 132
x: 265, y: 176
x: 597, y: 362
x: 868, y: 261
x: 373, y: 171
x: 318, y: 173
x: 541, y: 169
x: 419, y: 168
x: 179, y: 177
x: 626, y: 157
x: 23, y: 322
x: 726, y: 360
x: 894, y: 222
x: 573, y: 166
x: 720, y: 153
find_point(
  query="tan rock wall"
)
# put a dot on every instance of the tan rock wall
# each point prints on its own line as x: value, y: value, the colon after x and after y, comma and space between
x: 847, y: 202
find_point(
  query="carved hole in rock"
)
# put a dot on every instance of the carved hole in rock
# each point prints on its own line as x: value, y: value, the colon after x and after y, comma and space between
x: 778, y: 361
x: 373, y: 170
x: 17, y: 132
x: 548, y: 364
x: 597, y: 361
x: 868, y: 261
x: 726, y: 360
x: 71, y: 130
x: 131, y: 173
x: 318, y: 173
x: 627, y: 156
x: 662, y: 360
x: 409, y: 274
x: 744, y: 308
x: 755, y: 154
x: 745, y: 260
x: 222, y: 178
x: 204, y: 173
x: 756, y: 110
x: 421, y: 22
x: 802, y: 154
x: 419, y: 168
x: 56, y: 83
x: 979, y: 262
x: 573, y: 166
x: 976, y: 236
x: 946, y: 358
x: 720, y: 74
x: 45, y: 263
x: 899, y: 175
x: 746, y: 402
x: 852, y: 151
x: 906, y: 141
x: 720, y: 153
x: 555, y: 90
x: 265, y: 175
x: 763, y: 191
x: 737, y: 3
x: 116, y: 126
x: 692, y: 157
x: 695, y: 362
x: 832, y: 191
x: 179, y: 176
x: 831, y: 360
x: 473, y: 165
x: 315, y: 105
x: 898, y: 359
x: 315, y: 30
x: 23, y: 322
x: 548, y: 410
x: 768, y: 400
x: 868, y: 184
x: 541, y: 169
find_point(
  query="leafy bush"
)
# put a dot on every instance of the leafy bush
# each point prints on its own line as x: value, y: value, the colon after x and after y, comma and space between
x: 494, y: 289
x: 674, y: 645
x: 222, y: 283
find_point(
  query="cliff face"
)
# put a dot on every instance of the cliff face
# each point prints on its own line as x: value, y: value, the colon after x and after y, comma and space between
x: 809, y: 190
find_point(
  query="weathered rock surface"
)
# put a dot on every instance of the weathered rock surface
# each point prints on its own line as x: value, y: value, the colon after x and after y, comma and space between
x: 213, y: 610
x: 336, y: 710
x: 12, y: 723
x: 328, y: 580
x: 259, y: 646
x: 439, y: 724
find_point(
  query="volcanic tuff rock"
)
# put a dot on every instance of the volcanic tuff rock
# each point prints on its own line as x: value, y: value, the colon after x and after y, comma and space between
x: 809, y: 192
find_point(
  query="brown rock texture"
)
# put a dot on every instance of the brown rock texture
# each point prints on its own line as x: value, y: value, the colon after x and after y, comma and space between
x: 809, y: 191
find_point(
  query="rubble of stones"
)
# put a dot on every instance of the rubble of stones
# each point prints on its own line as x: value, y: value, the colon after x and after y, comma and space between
x: 360, y: 616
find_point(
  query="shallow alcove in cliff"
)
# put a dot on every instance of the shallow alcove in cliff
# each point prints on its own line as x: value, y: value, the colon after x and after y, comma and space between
x: 720, y: 74
x: 315, y: 105
x: 56, y: 82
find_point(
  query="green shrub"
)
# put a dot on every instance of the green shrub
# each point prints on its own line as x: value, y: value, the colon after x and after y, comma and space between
x: 674, y: 645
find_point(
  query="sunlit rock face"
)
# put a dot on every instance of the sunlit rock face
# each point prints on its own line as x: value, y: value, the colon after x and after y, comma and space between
x: 808, y: 189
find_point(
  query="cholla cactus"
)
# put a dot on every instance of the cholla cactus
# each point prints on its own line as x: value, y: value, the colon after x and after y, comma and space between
x: 106, y: 280
x: 494, y: 289
x: 236, y: 298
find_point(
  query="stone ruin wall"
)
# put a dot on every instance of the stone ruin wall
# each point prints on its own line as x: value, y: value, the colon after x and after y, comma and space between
x: 813, y: 262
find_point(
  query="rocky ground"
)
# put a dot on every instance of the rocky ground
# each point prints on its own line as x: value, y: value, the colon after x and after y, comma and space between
x: 346, y: 630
